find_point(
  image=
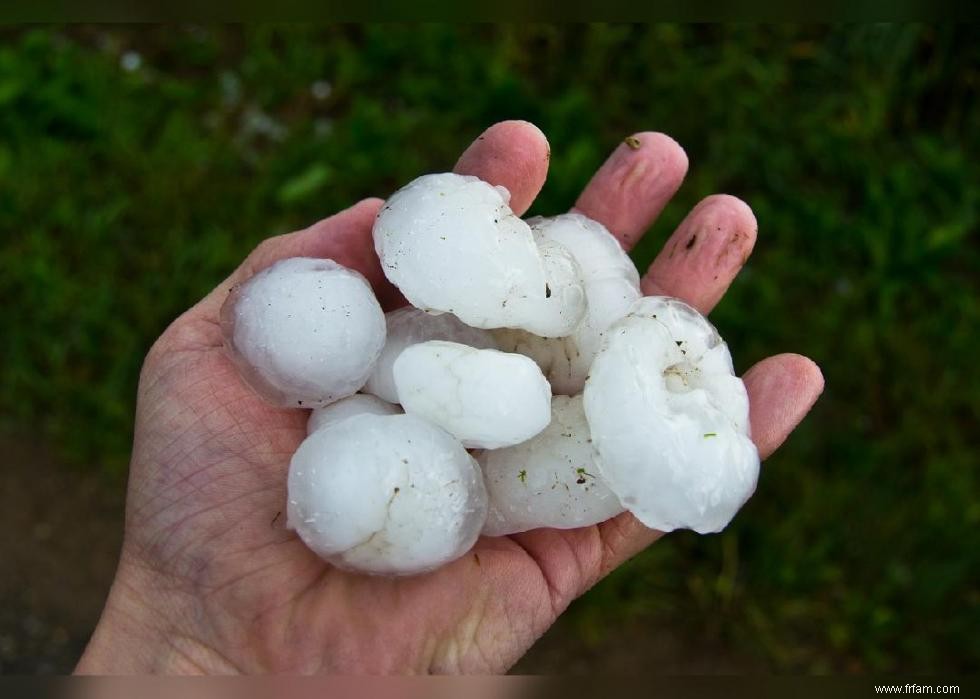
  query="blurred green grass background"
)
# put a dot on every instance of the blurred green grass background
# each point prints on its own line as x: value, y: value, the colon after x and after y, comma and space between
x: 139, y: 165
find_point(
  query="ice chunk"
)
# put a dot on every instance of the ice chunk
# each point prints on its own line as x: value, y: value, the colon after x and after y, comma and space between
x: 452, y: 244
x: 358, y: 404
x: 304, y: 332
x: 408, y: 326
x: 611, y: 284
x: 385, y: 494
x: 485, y: 398
x: 670, y: 420
x: 551, y: 480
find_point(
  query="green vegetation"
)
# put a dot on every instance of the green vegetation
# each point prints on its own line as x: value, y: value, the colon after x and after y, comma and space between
x: 130, y: 183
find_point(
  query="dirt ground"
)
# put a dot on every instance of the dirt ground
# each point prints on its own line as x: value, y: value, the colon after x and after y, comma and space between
x: 60, y: 532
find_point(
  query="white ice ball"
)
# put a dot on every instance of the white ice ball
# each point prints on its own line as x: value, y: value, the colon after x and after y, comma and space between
x: 551, y: 480
x: 304, y: 332
x: 451, y: 244
x: 485, y: 398
x: 409, y: 326
x: 611, y: 284
x: 357, y: 404
x: 670, y: 420
x: 388, y: 494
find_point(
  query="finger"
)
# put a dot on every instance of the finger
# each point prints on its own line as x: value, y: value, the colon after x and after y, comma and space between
x: 781, y: 389
x: 702, y: 257
x: 513, y: 154
x: 632, y: 187
x: 344, y: 237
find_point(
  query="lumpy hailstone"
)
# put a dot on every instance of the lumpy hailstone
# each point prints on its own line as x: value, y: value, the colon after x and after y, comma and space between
x: 358, y: 404
x: 389, y: 494
x: 304, y: 332
x: 485, y: 398
x: 670, y: 420
x: 409, y: 326
x: 451, y: 244
x: 611, y: 285
x: 551, y: 480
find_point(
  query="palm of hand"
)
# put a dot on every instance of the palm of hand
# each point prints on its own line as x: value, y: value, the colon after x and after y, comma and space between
x: 207, y: 557
x: 206, y: 515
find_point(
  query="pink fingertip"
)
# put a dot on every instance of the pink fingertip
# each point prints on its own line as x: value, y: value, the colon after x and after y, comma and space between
x: 703, y: 256
x: 513, y: 154
x: 782, y: 389
x: 634, y: 184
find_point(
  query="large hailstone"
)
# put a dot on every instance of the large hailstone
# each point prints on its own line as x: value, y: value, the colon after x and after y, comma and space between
x: 485, y: 398
x: 409, y: 326
x: 304, y: 332
x: 551, y: 480
x: 385, y: 494
x: 670, y: 420
x: 612, y: 285
x: 451, y: 244
x: 358, y: 404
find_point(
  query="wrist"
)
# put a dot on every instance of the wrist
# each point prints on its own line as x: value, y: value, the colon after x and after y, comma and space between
x: 140, y: 632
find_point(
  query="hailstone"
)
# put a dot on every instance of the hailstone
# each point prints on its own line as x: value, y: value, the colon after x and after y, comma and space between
x: 385, y: 494
x: 612, y: 285
x: 648, y: 414
x: 304, y: 332
x: 358, y: 404
x: 551, y: 480
x: 451, y: 244
x: 670, y: 420
x: 408, y: 326
x: 485, y: 398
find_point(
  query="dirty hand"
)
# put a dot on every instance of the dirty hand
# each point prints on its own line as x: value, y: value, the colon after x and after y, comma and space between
x: 209, y: 578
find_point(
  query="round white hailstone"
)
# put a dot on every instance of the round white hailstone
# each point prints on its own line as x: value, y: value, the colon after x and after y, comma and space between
x: 670, y: 420
x: 451, y: 244
x: 358, y: 404
x: 485, y: 398
x: 409, y: 326
x: 612, y: 285
x: 304, y: 332
x: 385, y: 494
x: 551, y: 480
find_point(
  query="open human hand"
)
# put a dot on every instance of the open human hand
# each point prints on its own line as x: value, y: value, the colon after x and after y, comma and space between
x: 210, y: 579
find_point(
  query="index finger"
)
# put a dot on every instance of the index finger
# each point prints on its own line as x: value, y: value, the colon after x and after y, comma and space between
x: 512, y: 154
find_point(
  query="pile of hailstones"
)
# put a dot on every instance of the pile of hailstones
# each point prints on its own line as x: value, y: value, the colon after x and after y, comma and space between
x: 529, y: 384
